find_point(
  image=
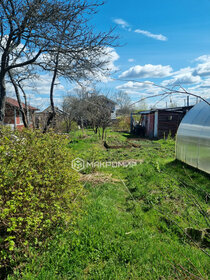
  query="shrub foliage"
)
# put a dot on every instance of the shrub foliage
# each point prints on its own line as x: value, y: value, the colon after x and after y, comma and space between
x: 124, y: 123
x: 37, y: 189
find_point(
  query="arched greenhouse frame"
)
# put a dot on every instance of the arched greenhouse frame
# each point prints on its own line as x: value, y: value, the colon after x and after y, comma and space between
x: 193, y: 137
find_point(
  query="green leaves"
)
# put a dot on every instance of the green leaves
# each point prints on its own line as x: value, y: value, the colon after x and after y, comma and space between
x: 36, y: 181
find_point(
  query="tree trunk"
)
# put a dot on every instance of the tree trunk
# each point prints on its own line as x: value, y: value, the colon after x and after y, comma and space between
x: 68, y: 126
x: 103, y: 130
x: 27, y: 112
x: 53, y: 113
x: 82, y: 125
x: 2, y: 98
x: 24, y: 117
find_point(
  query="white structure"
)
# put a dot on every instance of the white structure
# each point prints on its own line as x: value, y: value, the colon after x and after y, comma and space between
x: 193, y: 137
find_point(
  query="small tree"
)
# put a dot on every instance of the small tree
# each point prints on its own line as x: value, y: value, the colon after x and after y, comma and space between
x: 99, y: 113
x: 69, y: 107
x: 88, y: 109
x: 124, y: 102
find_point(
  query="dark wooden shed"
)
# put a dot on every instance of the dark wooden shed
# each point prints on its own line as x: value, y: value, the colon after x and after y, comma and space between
x: 158, y: 123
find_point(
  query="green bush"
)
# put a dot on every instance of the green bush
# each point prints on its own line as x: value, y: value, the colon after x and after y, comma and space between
x: 121, y: 124
x: 37, y: 189
x: 124, y: 123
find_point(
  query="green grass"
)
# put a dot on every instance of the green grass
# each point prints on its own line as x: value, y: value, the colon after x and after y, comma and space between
x: 130, y: 230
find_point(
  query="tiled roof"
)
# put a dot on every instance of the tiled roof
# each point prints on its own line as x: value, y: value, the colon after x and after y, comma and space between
x: 14, y: 103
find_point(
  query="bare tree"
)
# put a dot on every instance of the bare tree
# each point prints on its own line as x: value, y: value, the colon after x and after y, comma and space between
x: 53, y: 33
x: 99, y: 109
x: 69, y: 107
x: 89, y: 109
x: 75, y: 107
x: 141, y: 106
x: 104, y: 120
x: 124, y: 102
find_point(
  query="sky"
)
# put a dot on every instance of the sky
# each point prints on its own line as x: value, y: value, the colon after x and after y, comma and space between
x: 163, y: 42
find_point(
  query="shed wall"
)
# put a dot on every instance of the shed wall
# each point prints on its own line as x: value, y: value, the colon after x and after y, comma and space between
x: 168, y: 123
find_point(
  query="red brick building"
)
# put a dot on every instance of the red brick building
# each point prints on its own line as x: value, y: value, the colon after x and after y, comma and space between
x: 13, y: 116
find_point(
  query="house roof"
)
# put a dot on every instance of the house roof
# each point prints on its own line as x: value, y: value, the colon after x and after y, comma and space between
x: 14, y: 103
x: 49, y: 109
x: 107, y: 99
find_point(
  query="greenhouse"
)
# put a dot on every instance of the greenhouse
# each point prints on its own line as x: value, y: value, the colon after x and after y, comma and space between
x: 193, y: 137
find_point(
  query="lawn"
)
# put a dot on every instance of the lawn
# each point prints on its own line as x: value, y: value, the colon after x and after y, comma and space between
x: 148, y: 221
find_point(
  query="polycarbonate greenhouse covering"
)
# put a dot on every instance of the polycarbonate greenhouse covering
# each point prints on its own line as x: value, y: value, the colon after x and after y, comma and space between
x: 193, y: 137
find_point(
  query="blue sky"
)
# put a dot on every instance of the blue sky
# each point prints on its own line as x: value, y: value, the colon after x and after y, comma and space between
x: 161, y: 41
x: 165, y: 33
x: 185, y: 23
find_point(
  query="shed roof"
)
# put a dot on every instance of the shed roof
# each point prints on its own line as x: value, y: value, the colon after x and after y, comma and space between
x: 175, y: 109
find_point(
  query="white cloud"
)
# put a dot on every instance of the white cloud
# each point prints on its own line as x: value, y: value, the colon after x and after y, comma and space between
x: 110, y: 57
x: 135, y: 85
x: 121, y: 22
x: 183, y: 71
x: 184, y: 76
x: 125, y: 25
x: 203, y: 58
x: 202, y: 69
x: 204, y: 84
x: 182, y: 80
x: 147, y: 71
x: 130, y: 60
x: 159, y: 37
x: 202, y: 89
x: 146, y: 88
